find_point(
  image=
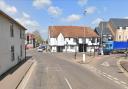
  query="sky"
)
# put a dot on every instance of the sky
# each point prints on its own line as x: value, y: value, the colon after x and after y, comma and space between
x: 39, y: 14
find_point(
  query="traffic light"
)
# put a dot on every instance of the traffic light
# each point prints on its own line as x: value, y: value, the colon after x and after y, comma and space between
x: 27, y: 39
x: 34, y: 45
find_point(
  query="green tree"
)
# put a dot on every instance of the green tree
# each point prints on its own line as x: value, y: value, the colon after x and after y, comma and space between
x: 38, y: 37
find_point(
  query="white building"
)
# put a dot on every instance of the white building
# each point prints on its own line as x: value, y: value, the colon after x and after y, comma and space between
x: 72, y: 39
x: 12, y: 48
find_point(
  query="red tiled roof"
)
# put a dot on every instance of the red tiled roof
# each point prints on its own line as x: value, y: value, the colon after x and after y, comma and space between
x: 71, y: 31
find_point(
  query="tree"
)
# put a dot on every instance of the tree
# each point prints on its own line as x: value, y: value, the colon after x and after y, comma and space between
x: 38, y: 37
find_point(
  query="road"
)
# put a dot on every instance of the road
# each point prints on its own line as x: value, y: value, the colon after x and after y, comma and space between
x: 53, y: 72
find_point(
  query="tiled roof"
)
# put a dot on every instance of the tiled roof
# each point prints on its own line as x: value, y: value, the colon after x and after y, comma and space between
x: 71, y: 31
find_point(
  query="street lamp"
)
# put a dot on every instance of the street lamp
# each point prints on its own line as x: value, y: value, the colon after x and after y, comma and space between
x: 101, y: 38
x: 84, y: 13
x: 52, y: 48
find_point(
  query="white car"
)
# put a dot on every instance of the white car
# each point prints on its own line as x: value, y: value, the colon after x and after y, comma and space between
x: 40, y: 49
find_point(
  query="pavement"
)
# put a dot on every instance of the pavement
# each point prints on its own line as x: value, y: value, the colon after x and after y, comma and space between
x: 13, y: 77
x: 54, y: 72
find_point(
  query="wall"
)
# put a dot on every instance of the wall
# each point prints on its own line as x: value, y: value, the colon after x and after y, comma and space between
x: 123, y: 33
x: 5, y: 45
x: 60, y: 40
x: 70, y: 43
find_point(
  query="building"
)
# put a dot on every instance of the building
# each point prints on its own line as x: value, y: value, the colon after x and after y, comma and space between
x: 115, y: 29
x: 119, y: 28
x: 104, y: 32
x: 12, y: 47
x: 72, y: 39
x: 30, y: 41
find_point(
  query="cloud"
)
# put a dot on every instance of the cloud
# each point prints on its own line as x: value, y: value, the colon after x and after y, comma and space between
x: 97, y: 21
x: 72, y: 18
x: 126, y: 17
x: 54, y: 10
x: 26, y: 21
x: 90, y: 10
x: 25, y: 15
x: 41, y: 3
x: 7, y: 8
x: 82, y: 2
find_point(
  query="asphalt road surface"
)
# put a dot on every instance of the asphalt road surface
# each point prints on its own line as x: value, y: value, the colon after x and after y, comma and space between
x: 52, y: 72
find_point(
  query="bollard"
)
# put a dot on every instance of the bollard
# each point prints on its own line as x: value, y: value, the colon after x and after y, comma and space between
x: 83, y: 57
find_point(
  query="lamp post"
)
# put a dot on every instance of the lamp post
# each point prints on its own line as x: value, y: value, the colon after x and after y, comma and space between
x: 101, y: 39
x: 84, y: 13
x: 52, y: 48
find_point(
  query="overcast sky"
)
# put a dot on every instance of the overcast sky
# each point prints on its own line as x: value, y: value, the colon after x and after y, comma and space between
x: 39, y: 14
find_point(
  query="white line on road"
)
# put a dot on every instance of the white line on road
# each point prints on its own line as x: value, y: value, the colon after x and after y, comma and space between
x: 68, y: 83
x: 123, y: 82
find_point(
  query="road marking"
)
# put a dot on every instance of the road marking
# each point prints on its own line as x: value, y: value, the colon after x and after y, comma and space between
x: 115, y: 79
x: 117, y: 82
x: 68, y: 83
x: 106, y: 64
x: 109, y: 76
x: 123, y: 82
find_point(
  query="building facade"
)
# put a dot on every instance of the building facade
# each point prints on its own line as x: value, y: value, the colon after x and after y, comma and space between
x: 30, y: 41
x: 12, y: 47
x: 119, y: 28
x: 104, y: 32
x: 72, y: 39
x: 115, y: 29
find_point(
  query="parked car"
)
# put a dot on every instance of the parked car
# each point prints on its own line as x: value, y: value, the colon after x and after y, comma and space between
x: 40, y: 49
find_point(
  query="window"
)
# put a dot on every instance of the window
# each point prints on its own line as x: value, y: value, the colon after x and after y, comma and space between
x: 11, y: 30
x: 119, y: 37
x: 20, y: 33
x: 74, y: 40
x: 71, y: 47
x: 23, y: 34
x: 12, y: 53
x: 21, y: 50
x: 93, y: 40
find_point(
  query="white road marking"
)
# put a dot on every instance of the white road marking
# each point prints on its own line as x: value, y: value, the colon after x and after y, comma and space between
x: 123, y: 82
x: 110, y: 76
x: 68, y: 83
x: 117, y: 82
x: 115, y: 79
x: 106, y: 64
